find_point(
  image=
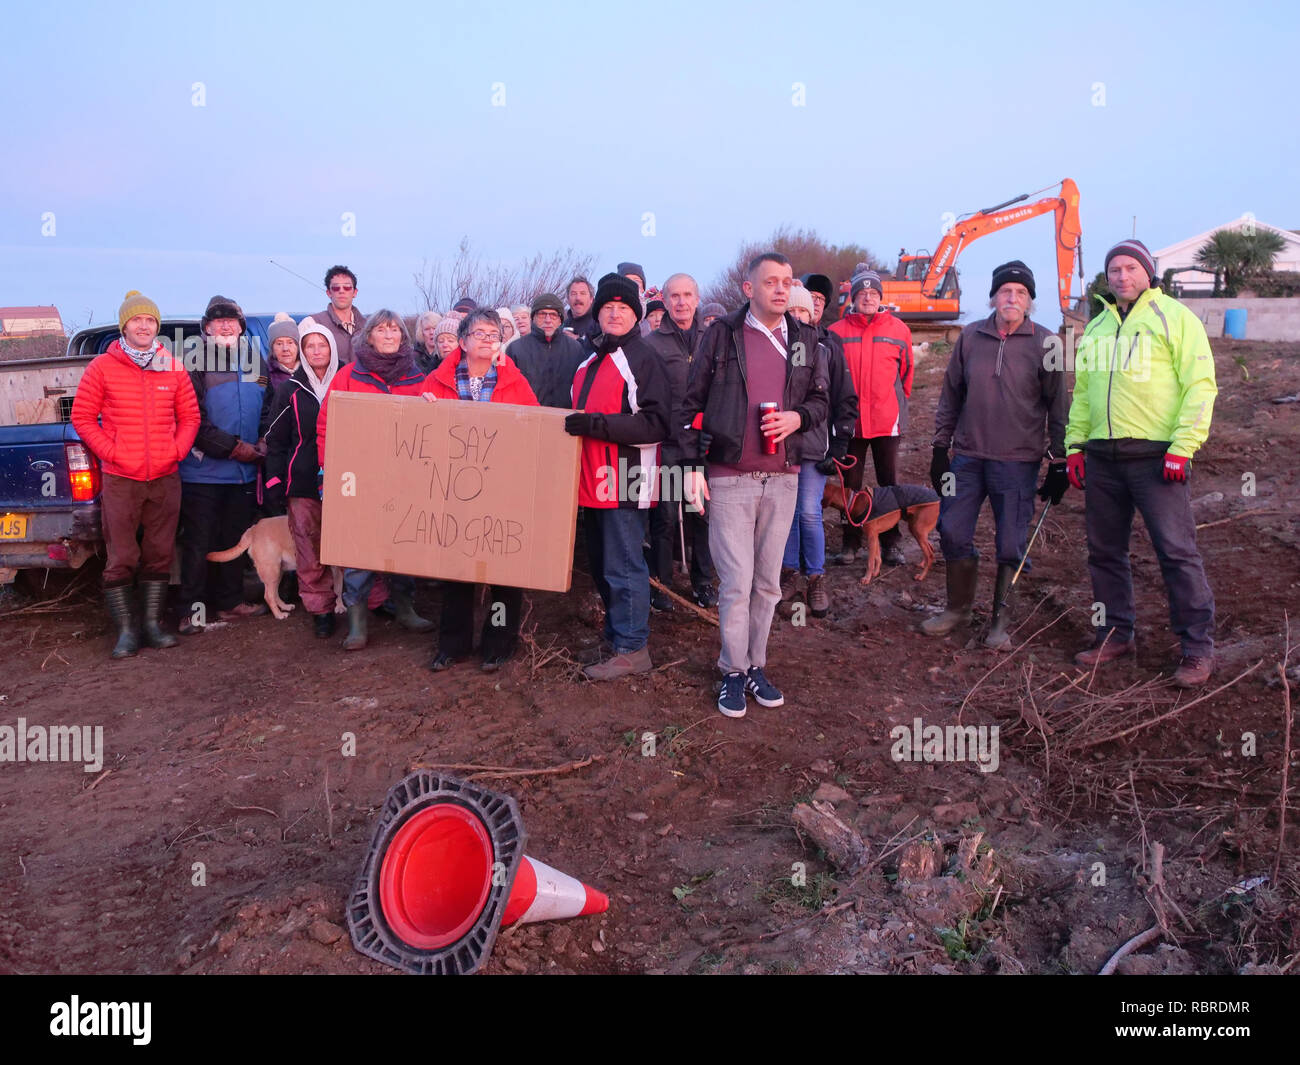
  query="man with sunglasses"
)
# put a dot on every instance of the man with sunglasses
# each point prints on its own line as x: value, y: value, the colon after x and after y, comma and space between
x: 339, y: 316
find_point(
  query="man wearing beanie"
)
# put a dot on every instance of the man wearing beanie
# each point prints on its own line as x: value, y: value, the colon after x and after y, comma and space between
x: 339, y: 316
x: 1144, y: 391
x: 878, y: 349
x: 547, y: 356
x: 1002, y: 410
x: 135, y: 409
x: 622, y: 400
x: 675, y: 342
x: 759, y: 354
x: 219, y: 476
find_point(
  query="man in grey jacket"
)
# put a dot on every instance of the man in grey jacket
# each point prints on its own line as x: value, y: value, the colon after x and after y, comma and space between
x: 1003, y: 408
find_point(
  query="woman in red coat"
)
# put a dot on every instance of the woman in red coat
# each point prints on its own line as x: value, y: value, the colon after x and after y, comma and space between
x: 478, y: 373
x: 384, y: 363
x: 135, y: 409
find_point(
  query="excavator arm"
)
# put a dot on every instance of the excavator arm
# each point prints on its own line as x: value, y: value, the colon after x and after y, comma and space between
x: 992, y: 219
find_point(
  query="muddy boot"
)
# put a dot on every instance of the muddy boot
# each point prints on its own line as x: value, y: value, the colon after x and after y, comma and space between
x: 119, y: 609
x: 851, y: 548
x: 962, y: 574
x: 358, y: 615
x: 153, y: 594
x: 1003, y: 593
x: 789, y: 592
x: 819, y: 600
x: 404, y: 612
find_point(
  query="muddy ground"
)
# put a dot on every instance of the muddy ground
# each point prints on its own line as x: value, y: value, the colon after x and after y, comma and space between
x: 226, y: 751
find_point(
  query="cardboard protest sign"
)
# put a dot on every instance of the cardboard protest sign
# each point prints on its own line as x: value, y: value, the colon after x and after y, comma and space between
x: 484, y: 492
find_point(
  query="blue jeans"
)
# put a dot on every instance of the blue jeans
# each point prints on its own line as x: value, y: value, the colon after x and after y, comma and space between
x: 1008, y: 486
x: 807, y: 533
x: 358, y: 582
x: 619, y: 569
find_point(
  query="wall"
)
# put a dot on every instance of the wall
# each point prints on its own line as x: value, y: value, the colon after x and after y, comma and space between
x: 1266, y: 319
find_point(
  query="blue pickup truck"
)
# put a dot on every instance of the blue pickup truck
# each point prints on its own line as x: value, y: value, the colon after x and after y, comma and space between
x: 49, y: 480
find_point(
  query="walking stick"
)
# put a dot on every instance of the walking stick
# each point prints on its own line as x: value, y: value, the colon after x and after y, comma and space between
x: 681, y: 530
x: 1047, y: 505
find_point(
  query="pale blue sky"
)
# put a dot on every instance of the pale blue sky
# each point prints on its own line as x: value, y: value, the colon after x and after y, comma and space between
x: 684, y: 110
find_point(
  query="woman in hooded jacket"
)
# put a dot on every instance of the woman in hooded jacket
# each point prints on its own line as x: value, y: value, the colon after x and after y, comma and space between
x: 291, y: 465
x: 383, y: 363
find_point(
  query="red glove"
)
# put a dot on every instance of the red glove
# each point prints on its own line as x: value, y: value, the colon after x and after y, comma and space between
x: 1074, y: 469
x: 1175, y: 467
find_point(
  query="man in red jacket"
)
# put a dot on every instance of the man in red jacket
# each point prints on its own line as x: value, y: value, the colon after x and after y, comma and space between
x: 878, y: 348
x: 135, y: 409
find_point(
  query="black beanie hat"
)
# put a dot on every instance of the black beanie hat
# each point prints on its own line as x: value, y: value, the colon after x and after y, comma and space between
x: 631, y: 268
x: 819, y: 283
x: 464, y: 305
x: 616, y: 287
x: 222, y: 307
x: 1014, y: 271
x: 1138, y: 251
x: 547, y: 301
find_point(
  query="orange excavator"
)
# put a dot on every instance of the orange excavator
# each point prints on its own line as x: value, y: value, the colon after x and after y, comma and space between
x: 925, y: 287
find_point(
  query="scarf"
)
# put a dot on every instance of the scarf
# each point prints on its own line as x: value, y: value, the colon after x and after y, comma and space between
x: 140, y: 358
x: 391, y: 368
x: 475, y: 389
x: 606, y: 343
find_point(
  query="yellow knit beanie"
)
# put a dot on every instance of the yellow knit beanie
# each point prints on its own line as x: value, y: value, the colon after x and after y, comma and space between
x: 134, y: 304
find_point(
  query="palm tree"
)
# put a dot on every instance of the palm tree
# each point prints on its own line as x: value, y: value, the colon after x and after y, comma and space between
x: 1235, y: 256
x: 1223, y: 255
x: 1262, y: 247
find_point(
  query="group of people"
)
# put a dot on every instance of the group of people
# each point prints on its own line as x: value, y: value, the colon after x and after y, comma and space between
x: 748, y: 411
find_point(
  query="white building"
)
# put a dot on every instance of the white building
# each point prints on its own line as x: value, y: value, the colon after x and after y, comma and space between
x: 1199, y: 282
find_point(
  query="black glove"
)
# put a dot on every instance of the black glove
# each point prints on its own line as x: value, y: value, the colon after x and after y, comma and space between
x: 1055, y: 483
x: 706, y: 442
x: 827, y: 466
x: 582, y: 423
x: 938, y: 467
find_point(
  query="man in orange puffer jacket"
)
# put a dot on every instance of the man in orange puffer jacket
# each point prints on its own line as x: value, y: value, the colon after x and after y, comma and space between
x: 878, y: 349
x: 135, y: 409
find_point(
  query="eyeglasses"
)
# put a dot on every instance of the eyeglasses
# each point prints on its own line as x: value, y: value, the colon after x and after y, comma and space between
x: 341, y: 288
x: 491, y: 338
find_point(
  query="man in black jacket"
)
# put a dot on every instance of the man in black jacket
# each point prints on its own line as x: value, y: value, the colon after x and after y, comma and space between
x: 621, y: 400
x: 581, y: 322
x: 756, y: 356
x: 675, y: 341
x: 548, y: 357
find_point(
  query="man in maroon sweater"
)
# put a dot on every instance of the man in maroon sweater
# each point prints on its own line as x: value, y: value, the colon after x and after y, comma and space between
x: 756, y: 355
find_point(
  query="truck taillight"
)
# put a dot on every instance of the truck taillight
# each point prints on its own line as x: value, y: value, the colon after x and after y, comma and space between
x: 83, y: 472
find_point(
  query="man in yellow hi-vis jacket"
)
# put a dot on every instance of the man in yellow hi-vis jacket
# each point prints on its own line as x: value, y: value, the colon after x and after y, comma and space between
x: 1143, y: 395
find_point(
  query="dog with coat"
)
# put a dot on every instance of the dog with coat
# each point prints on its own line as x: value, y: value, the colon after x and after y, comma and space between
x: 878, y: 510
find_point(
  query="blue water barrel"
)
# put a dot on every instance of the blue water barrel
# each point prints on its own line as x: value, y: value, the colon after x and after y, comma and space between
x: 1234, y: 323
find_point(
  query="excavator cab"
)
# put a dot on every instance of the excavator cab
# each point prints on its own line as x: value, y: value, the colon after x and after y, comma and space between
x: 912, y: 267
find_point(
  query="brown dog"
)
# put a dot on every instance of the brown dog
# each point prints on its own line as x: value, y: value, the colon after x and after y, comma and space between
x: 270, y: 546
x: 884, y: 508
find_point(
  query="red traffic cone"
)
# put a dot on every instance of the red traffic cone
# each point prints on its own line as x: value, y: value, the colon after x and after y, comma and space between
x: 445, y: 871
